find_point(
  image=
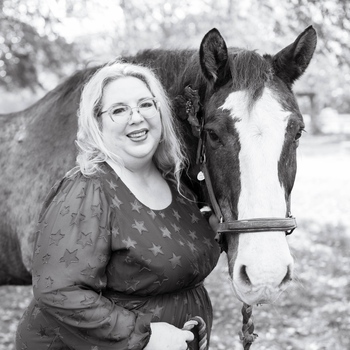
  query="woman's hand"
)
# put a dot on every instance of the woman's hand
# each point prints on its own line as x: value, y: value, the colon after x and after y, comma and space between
x: 167, y: 337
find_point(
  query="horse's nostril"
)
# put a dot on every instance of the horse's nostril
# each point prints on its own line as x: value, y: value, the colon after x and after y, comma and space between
x: 244, y: 276
x: 288, y: 277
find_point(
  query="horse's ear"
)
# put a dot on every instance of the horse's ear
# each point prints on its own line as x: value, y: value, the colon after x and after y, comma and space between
x: 213, y: 57
x: 291, y: 62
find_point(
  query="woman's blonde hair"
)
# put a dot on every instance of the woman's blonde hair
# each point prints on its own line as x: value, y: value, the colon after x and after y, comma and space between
x: 169, y: 156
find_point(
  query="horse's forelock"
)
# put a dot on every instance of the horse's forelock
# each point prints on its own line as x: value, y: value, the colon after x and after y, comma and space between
x: 250, y: 72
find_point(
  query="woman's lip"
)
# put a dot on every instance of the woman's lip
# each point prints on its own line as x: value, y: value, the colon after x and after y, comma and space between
x: 137, y: 133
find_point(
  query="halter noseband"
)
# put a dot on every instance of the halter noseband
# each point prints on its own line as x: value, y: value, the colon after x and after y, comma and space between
x: 287, y: 224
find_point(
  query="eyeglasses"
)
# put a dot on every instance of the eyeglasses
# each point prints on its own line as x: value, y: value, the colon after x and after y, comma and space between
x: 120, y: 113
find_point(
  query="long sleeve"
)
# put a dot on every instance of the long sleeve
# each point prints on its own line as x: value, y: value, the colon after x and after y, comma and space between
x: 71, y: 255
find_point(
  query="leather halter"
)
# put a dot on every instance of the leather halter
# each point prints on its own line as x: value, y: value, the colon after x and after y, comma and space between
x: 287, y: 224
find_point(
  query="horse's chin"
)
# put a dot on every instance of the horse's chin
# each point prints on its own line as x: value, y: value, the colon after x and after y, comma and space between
x: 258, y: 296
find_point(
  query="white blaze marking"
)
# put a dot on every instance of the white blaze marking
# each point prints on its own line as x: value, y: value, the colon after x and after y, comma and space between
x: 261, y: 134
x: 265, y: 256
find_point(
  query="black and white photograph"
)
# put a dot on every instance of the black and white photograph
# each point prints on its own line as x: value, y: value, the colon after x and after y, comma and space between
x: 175, y: 175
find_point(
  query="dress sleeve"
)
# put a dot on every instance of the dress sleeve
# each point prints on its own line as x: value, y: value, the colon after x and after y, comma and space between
x: 71, y: 254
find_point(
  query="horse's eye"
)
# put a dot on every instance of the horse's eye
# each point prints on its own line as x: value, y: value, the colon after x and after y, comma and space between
x: 213, y: 136
x: 298, y: 134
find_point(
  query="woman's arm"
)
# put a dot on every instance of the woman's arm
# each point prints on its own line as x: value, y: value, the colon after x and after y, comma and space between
x: 69, y: 272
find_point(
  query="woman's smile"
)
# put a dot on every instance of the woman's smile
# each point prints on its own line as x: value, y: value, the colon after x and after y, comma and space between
x: 138, y: 135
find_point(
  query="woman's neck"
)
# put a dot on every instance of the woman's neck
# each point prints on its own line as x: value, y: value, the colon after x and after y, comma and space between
x: 141, y: 172
x: 146, y: 183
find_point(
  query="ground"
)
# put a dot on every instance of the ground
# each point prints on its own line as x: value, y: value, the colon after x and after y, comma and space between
x: 314, y: 314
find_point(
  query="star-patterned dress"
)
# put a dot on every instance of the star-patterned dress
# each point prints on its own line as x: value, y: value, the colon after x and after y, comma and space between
x: 106, y: 266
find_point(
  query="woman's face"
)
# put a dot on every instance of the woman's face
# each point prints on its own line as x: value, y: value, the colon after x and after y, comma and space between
x: 135, y: 140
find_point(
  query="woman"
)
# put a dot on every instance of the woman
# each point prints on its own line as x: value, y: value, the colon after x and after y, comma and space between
x: 121, y: 249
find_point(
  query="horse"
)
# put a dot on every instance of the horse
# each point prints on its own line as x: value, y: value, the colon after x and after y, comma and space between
x: 240, y: 122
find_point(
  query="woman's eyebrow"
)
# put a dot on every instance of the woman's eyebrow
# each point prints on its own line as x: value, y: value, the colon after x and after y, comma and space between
x: 127, y: 104
x: 145, y: 98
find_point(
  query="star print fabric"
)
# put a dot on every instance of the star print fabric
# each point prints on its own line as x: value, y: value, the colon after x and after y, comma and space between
x: 106, y: 266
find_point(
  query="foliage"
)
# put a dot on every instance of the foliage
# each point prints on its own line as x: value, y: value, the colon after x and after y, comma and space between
x: 330, y: 73
x: 29, y: 44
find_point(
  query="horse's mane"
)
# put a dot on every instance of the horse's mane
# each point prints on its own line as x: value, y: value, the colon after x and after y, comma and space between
x: 249, y: 70
x: 167, y: 64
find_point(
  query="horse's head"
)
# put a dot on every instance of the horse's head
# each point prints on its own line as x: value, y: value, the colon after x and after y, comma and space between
x: 251, y: 130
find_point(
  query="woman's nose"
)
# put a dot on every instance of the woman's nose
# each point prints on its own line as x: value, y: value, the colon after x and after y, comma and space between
x: 135, y: 115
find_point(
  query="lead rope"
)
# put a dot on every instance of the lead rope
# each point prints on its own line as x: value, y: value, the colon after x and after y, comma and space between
x: 247, y: 334
x: 202, y: 330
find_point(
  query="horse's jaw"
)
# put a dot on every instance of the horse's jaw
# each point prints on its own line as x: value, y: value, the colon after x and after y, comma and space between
x: 259, y: 276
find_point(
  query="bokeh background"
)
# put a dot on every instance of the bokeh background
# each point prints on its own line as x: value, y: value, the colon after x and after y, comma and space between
x: 44, y: 41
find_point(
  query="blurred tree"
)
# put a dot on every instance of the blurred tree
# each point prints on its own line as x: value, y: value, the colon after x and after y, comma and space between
x: 329, y: 74
x: 30, y: 45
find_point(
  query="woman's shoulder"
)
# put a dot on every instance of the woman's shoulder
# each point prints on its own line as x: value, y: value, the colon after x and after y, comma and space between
x: 105, y: 181
x: 82, y: 196
x: 76, y: 185
x: 74, y: 180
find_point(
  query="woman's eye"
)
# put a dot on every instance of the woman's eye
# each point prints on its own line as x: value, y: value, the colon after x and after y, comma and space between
x: 119, y: 110
x: 146, y: 104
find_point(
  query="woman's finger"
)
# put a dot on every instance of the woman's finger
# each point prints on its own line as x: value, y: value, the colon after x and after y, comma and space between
x: 189, y: 336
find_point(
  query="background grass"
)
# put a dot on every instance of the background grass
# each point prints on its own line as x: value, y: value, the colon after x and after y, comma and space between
x: 314, y: 314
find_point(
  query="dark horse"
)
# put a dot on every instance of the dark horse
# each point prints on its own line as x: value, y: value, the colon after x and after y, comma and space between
x: 239, y: 102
